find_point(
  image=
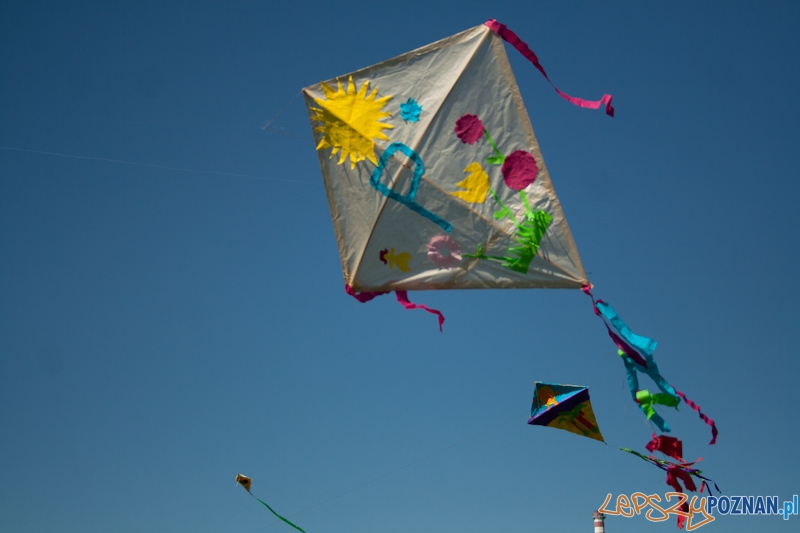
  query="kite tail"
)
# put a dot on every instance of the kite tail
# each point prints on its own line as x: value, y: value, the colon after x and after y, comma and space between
x: 637, y: 353
x: 673, y: 474
x: 362, y: 297
x: 704, y: 417
x: 402, y: 299
x: 669, y: 446
x: 511, y: 38
x: 676, y: 472
x: 276, y: 514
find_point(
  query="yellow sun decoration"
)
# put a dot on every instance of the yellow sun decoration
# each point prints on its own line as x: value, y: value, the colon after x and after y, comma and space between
x: 350, y: 121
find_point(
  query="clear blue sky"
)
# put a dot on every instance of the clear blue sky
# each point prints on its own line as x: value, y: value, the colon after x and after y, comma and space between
x: 163, y: 329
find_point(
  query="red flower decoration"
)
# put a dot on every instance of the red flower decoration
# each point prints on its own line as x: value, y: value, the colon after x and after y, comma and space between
x: 519, y: 170
x: 469, y: 129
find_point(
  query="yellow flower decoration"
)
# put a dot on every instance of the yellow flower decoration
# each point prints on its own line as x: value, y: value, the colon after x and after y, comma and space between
x: 476, y: 185
x: 350, y: 121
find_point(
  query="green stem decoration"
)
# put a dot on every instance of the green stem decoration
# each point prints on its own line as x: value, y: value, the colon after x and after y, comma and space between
x: 529, y: 233
x: 496, y: 159
x: 480, y: 255
x: 505, y: 211
x: 525, y: 201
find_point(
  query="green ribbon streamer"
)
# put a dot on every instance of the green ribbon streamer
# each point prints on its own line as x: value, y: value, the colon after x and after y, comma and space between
x: 646, y: 400
x: 276, y: 514
x: 634, y: 452
x: 662, y: 463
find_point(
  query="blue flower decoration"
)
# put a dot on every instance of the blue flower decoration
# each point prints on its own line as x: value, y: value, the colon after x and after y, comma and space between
x: 410, y: 110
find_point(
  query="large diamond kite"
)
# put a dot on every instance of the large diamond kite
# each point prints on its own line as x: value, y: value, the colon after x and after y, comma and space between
x: 434, y: 176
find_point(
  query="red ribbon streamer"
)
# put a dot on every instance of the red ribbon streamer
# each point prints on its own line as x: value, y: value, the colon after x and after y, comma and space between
x: 669, y: 446
x: 673, y: 474
x: 511, y: 38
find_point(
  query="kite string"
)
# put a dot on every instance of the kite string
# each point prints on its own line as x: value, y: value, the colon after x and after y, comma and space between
x: 265, y: 127
x: 149, y: 165
x: 284, y: 108
x: 395, y: 470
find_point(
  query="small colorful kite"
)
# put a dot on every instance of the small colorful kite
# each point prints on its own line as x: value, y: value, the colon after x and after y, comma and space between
x: 564, y: 407
x: 568, y: 407
x: 245, y: 482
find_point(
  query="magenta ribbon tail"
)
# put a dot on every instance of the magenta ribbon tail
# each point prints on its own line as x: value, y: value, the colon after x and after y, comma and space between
x: 402, y: 297
x: 705, y: 418
x: 587, y: 290
x: 511, y: 38
x: 362, y: 297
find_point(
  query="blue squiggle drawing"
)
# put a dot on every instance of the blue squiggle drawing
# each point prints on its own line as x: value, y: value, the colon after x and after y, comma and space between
x: 406, y: 200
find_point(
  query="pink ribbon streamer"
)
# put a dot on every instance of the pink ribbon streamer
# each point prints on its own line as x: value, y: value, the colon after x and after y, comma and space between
x: 587, y: 290
x: 402, y: 298
x: 362, y: 297
x: 705, y: 418
x: 511, y: 38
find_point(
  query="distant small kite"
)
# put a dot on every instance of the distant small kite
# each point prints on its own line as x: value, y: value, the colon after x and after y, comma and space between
x: 564, y: 407
x: 245, y: 482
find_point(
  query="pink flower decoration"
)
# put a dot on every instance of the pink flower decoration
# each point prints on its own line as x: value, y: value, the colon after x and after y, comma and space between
x: 469, y: 129
x: 437, y: 245
x: 519, y: 170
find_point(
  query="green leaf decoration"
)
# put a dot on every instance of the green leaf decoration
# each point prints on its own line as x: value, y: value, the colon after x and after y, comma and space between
x: 528, y: 235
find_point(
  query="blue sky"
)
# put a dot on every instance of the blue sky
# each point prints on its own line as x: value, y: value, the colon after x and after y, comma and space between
x: 177, y: 315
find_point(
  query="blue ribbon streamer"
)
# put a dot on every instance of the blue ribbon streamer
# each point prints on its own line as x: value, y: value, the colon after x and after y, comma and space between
x: 644, y: 344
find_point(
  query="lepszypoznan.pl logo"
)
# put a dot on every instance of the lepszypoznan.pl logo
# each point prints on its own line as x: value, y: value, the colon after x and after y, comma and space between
x: 699, y: 510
